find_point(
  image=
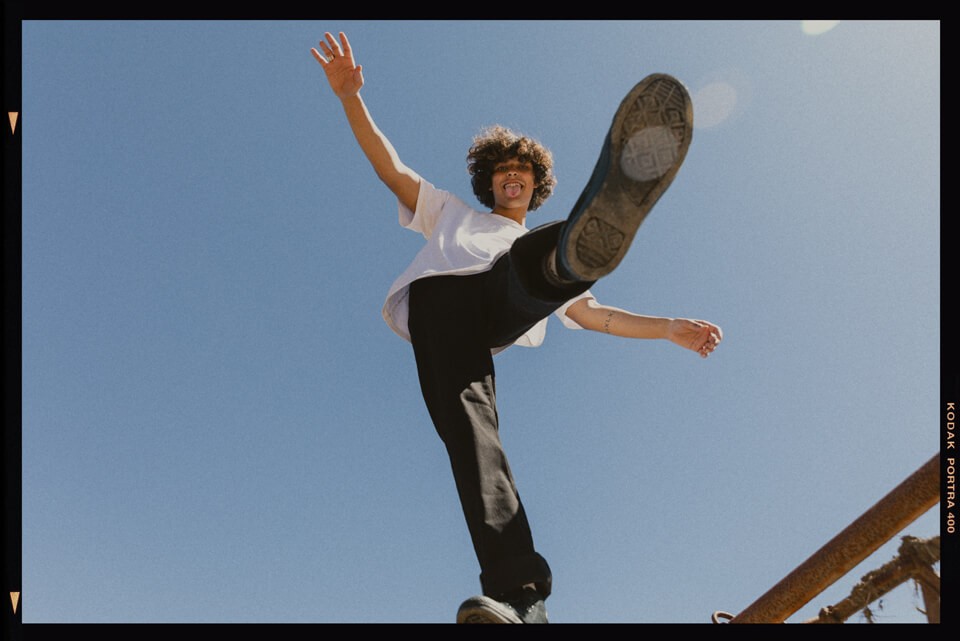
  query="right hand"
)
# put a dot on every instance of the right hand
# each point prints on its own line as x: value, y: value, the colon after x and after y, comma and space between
x: 697, y: 335
x: 345, y: 77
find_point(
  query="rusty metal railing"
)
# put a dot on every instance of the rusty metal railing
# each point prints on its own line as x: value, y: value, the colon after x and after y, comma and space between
x: 915, y: 559
x: 909, y: 500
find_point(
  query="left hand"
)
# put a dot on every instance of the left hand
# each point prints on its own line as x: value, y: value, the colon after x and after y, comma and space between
x: 696, y: 335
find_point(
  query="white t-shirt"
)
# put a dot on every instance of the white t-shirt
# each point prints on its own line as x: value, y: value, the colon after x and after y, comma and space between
x: 460, y: 240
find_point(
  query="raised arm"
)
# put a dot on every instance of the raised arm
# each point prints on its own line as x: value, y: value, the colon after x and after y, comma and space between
x: 696, y: 335
x: 346, y: 79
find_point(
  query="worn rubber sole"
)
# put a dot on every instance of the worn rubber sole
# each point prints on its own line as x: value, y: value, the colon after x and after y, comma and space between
x: 643, y: 151
x: 481, y: 609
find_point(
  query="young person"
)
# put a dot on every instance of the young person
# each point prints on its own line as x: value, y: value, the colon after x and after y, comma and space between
x: 483, y: 282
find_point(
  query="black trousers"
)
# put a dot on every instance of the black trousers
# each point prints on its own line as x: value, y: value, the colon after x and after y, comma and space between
x: 454, y: 322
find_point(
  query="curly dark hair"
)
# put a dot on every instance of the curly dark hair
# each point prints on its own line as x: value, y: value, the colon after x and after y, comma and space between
x: 497, y: 143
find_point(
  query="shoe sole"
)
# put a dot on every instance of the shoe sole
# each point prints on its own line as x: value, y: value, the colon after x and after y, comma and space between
x: 644, y: 149
x: 485, y: 610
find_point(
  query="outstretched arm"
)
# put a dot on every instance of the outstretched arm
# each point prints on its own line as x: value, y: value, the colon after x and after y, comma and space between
x: 696, y: 335
x: 346, y: 79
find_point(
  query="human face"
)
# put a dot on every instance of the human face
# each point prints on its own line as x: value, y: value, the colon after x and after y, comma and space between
x: 513, y: 184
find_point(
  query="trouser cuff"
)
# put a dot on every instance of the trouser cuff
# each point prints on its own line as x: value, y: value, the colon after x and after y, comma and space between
x: 529, y: 254
x: 513, y: 573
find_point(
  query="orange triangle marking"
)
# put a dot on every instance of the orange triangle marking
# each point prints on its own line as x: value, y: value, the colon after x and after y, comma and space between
x: 14, y: 599
x: 13, y: 129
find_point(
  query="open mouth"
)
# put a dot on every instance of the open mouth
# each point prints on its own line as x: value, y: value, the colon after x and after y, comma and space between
x: 512, y: 189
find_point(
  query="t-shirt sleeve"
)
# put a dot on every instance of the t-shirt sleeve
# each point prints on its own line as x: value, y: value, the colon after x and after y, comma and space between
x: 430, y: 203
x: 562, y: 311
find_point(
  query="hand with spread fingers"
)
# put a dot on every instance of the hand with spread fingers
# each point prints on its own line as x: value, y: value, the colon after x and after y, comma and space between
x: 343, y: 74
x: 696, y: 335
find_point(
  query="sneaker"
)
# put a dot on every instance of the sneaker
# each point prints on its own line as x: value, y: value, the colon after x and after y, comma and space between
x: 642, y: 153
x: 526, y: 607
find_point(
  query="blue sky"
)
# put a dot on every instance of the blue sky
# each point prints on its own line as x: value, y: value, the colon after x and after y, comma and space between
x: 218, y: 426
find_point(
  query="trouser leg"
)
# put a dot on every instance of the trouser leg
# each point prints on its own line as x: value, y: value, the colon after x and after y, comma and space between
x: 518, y: 293
x: 454, y: 322
x: 457, y: 380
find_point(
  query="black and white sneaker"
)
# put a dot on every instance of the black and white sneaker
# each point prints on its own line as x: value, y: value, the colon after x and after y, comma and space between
x: 642, y: 153
x: 526, y: 606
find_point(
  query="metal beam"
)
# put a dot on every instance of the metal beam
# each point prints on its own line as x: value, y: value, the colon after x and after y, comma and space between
x: 916, y: 557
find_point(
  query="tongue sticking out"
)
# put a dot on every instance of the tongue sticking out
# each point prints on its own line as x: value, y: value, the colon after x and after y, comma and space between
x: 512, y: 190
